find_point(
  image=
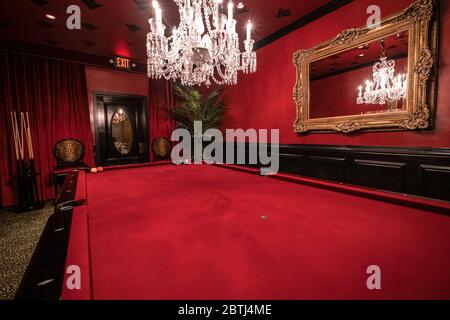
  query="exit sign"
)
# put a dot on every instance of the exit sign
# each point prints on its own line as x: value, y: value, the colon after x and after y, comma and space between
x: 122, y: 63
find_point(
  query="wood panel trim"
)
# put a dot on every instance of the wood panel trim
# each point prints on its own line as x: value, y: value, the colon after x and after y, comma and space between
x: 411, y: 163
x: 303, y: 21
x: 397, y: 165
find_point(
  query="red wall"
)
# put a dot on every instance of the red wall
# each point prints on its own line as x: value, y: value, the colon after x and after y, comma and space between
x: 112, y: 81
x: 264, y: 99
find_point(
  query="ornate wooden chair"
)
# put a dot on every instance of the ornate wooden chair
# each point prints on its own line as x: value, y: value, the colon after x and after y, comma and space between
x: 161, y: 148
x: 69, y: 155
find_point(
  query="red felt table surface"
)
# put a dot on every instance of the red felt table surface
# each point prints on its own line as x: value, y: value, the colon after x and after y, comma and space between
x: 78, y: 255
x: 195, y: 232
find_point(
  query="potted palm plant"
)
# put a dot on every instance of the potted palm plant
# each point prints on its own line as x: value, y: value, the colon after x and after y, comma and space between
x: 193, y: 106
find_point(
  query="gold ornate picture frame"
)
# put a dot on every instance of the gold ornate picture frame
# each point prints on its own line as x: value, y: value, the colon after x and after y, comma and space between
x: 421, y: 19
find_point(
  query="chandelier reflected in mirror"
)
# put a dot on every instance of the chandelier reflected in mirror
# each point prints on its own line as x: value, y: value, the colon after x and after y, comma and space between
x: 385, y: 87
x: 119, y: 116
x: 203, y: 49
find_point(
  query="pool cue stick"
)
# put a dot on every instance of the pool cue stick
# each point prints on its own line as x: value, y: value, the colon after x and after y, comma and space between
x: 22, y: 194
x: 22, y: 141
x: 23, y: 127
x: 19, y: 139
x: 35, y: 197
x: 26, y: 186
x: 29, y: 138
x: 16, y: 133
x: 16, y: 146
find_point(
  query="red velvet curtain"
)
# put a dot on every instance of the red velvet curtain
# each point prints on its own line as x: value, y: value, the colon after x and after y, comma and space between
x: 54, y: 93
x: 160, y: 99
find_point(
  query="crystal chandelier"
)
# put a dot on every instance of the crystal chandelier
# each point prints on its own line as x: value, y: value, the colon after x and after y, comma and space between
x: 385, y: 87
x: 203, y: 49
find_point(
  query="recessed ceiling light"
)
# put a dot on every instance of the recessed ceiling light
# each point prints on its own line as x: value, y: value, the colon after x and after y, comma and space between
x: 49, y: 16
x: 240, y: 5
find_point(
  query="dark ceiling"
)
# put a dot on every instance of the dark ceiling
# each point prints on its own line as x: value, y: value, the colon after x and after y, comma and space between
x: 366, y: 55
x: 119, y: 27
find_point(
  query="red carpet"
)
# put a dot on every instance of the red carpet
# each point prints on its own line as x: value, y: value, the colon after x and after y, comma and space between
x: 195, y: 232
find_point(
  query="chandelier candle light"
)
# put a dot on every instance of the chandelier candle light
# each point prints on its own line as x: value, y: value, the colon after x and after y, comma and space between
x: 119, y: 117
x: 204, y: 49
x: 385, y: 87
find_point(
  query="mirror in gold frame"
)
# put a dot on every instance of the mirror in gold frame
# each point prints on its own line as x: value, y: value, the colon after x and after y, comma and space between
x: 332, y: 92
x: 121, y: 132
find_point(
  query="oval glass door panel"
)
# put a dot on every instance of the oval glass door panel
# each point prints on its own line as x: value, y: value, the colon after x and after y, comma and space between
x: 121, y: 132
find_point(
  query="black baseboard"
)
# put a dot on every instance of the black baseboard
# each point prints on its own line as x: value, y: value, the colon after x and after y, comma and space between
x: 417, y: 171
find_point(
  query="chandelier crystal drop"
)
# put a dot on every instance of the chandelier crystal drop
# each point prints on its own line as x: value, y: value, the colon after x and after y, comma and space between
x: 203, y: 49
x: 385, y: 87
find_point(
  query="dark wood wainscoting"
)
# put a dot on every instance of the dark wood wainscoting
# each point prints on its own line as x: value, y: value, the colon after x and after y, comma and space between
x: 418, y: 171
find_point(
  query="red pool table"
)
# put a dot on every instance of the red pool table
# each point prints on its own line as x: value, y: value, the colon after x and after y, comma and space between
x: 201, y: 232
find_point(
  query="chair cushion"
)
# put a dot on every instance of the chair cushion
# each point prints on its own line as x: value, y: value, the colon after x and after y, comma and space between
x: 69, y: 151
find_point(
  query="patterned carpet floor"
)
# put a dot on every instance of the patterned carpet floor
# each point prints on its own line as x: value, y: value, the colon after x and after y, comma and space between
x: 19, y: 235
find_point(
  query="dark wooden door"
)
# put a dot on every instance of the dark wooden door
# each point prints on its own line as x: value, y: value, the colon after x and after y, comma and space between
x: 121, y: 129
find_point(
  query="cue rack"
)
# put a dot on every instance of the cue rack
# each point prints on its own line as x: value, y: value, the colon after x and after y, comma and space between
x: 27, y: 195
